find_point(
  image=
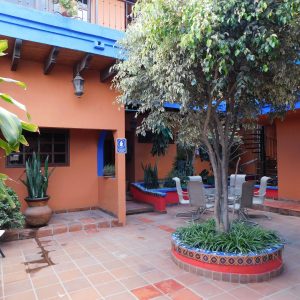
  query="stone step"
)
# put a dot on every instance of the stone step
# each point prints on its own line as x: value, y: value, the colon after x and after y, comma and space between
x: 89, y: 221
x: 133, y: 208
x: 284, y: 207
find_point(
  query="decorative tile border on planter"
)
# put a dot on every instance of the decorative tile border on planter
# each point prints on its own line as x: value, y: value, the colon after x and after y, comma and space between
x: 253, y: 267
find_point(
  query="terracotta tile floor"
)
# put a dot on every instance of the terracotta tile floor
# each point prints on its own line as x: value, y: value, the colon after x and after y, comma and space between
x: 132, y: 262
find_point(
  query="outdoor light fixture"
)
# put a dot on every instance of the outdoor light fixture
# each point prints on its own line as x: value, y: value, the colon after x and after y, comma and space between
x: 78, y: 83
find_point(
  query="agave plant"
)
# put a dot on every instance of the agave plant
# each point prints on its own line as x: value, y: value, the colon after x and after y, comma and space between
x: 109, y: 170
x: 36, y: 180
x: 150, y: 176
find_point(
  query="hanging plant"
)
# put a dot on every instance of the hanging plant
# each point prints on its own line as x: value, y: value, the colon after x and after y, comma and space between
x: 69, y: 7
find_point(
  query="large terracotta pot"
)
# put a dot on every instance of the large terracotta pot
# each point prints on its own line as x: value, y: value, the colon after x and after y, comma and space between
x: 38, y: 213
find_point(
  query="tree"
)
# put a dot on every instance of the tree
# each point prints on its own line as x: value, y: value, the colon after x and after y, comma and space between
x: 221, y: 61
x: 160, y: 141
x: 11, y: 127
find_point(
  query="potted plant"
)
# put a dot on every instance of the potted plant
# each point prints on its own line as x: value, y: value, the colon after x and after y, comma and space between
x: 109, y: 170
x: 38, y: 213
x: 68, y: 7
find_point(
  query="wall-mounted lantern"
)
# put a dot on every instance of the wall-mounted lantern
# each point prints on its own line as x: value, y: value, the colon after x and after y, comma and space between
x: 78, y: 83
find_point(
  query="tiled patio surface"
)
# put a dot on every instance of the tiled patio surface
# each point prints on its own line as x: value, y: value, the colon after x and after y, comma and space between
x: 80, y: 218
x: 131, y: 262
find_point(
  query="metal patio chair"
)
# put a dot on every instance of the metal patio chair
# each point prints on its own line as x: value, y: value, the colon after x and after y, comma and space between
x: 1, y: 233
x: 259, y: 197
x: 245, y: 201
x: 183, y: 199
x: 235, y: 187
x: 198, y: 199
x: 181, y: 194
x: 236, y: 182
x: 195, y: 178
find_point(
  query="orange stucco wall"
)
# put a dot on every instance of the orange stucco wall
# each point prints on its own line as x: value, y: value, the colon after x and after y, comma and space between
x: 111, y: 190
x: 51, y: 102
x: 73, y: 186
x: 111, y: 13
x: 164, y: 163
x: 141, y: 154
x: 288, y: 158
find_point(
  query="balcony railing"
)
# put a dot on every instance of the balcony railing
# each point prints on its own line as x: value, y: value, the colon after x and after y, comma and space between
x: 116, y: 14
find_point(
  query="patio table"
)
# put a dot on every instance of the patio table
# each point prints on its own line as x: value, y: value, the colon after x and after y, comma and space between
x: 233, y: 194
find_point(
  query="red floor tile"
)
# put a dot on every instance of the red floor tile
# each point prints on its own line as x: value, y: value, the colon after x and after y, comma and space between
x: 146, y: 292
x: 167, y: 228
x: 168, y: 286
x: 146, y: 220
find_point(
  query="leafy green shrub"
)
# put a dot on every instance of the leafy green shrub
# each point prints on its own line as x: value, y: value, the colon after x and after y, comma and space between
x: 36, y: 180
x: 206, y: 178
x: 181, y: 169
x: 182, y: 166
x: 70, y: 6
x: 150, y: 176
x: 109, y: 170
x: 11, y: 217
x: 169, y: 182
x: 241, y: 238
x: 161, y: 140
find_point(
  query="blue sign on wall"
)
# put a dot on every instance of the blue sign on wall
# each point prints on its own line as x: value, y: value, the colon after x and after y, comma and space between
x: 122, y: 146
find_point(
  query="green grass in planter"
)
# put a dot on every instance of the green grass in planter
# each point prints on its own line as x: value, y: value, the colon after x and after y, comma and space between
x: 241, y: 238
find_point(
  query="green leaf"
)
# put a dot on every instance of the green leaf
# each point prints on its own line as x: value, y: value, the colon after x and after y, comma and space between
x: 29, y: 126
x: 265, y: 68
x: 5, y: 195
x: 3, y: 176
x: 3, y: 45
x: 23, y: 140
x: 208, y: 43
x: 17, y: 82
x: 7, y: 98
x: 5, y: 146
x: 10, y: 126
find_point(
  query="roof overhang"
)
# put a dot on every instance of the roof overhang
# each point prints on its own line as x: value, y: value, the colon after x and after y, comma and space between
x: 55, y: 30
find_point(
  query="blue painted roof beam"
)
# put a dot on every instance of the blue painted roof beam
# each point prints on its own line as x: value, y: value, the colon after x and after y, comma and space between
x: 42, y: 27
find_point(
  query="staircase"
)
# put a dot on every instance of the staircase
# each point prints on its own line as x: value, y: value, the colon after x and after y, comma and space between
x: 264, y: 152
x: 133, y: 207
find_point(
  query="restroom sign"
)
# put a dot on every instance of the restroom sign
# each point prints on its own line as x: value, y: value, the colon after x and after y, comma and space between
x: 122, y: 146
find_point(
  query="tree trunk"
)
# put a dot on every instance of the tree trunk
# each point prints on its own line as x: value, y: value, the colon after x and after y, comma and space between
x: 220, y: 170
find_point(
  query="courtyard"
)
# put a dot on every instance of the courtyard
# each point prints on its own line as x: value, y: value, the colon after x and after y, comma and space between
x: 133, y: 262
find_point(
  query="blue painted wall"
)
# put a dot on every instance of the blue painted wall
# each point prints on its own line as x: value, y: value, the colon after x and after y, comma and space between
x: 100, y: 153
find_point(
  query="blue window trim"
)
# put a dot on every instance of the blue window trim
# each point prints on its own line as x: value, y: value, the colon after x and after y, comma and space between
x: 100, y: 153
x: 52, y: 29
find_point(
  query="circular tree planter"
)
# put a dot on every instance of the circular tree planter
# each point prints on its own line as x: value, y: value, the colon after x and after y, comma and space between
x: 242, y: 268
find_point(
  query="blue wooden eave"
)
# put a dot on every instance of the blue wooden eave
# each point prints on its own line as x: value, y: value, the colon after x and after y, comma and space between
x: 222, y: 107
x: 53, y: 29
